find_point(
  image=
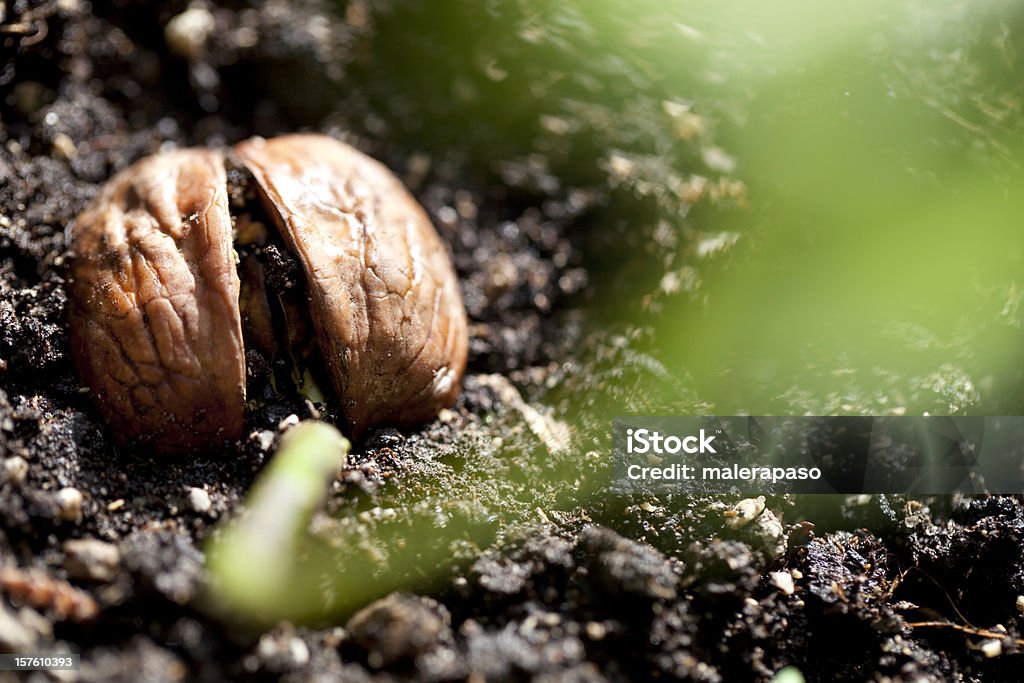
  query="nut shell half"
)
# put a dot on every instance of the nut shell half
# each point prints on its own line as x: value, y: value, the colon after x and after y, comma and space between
x: 383, y: 295
x: 155, y: 326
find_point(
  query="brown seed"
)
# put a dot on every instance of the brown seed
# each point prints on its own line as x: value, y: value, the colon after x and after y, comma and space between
x: 155, y: 316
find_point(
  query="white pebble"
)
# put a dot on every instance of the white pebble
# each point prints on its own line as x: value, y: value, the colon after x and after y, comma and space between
x: 199, y: 500
x: 187, y: 33
x: 744, y: 512
x: 64, y: 147
x: 288, y: 422
x: 266, y: 439
x: 991, y: 648
x: 15, y: 636
x: 15, y: 469
x: 298, y: 651
x: 69, y: 500
x: 90, y: 558
x: 784, y: 582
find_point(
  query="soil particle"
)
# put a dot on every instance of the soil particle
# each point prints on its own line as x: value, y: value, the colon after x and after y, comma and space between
x: 15, y: 469
x: 91, y: 560
x: 283, y: 649
x: 199, y: 500
x: 69, y: 504
x: 165, y: 562
x: 399, y: 628
x: 15, y: 635
x: 139, y: 655
x: 626, y: 568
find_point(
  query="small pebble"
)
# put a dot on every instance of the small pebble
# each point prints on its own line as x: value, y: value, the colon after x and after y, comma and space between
x: 69, y: 500
x: 92, y: 559
x: 784, y: 582
x: 299, y: 651
x: 399, y: 627
x: 15, y: 636
x: 15, y: 469
x: 186, y: 34
x: 991, y: 648
x: 744, y: 512
x: 64, y: 147
x: 282, y: 650
x: 265, y: 439
x: 199, y: 500
x: 767, y: 534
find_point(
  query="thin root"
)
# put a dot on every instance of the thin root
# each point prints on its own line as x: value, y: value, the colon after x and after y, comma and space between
x: 984, y: 633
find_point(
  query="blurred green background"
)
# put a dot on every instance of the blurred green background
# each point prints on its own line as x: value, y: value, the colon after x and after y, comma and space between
x: 879, y: 261
x: 802, y: 208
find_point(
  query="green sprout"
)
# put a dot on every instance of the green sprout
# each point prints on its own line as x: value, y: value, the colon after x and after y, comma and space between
x: 251, y: 561
x: 789, y: 674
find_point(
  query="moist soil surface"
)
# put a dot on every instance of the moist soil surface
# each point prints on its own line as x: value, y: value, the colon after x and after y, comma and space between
x: 558, y: 579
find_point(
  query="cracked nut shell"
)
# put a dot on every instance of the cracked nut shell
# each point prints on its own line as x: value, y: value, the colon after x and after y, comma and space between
x: 155, y: 328
x: 155, y: 325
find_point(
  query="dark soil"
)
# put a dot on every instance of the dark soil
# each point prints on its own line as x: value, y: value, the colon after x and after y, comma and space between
x: 553, y: 579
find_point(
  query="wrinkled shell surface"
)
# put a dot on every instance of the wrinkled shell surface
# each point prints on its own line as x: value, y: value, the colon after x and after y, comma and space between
x: 155, y: 328
x: 155, y: 323
x: 383, y: 296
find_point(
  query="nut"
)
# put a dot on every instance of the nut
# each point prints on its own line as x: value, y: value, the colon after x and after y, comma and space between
x: 156, y: 322
x: 155, y: 327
